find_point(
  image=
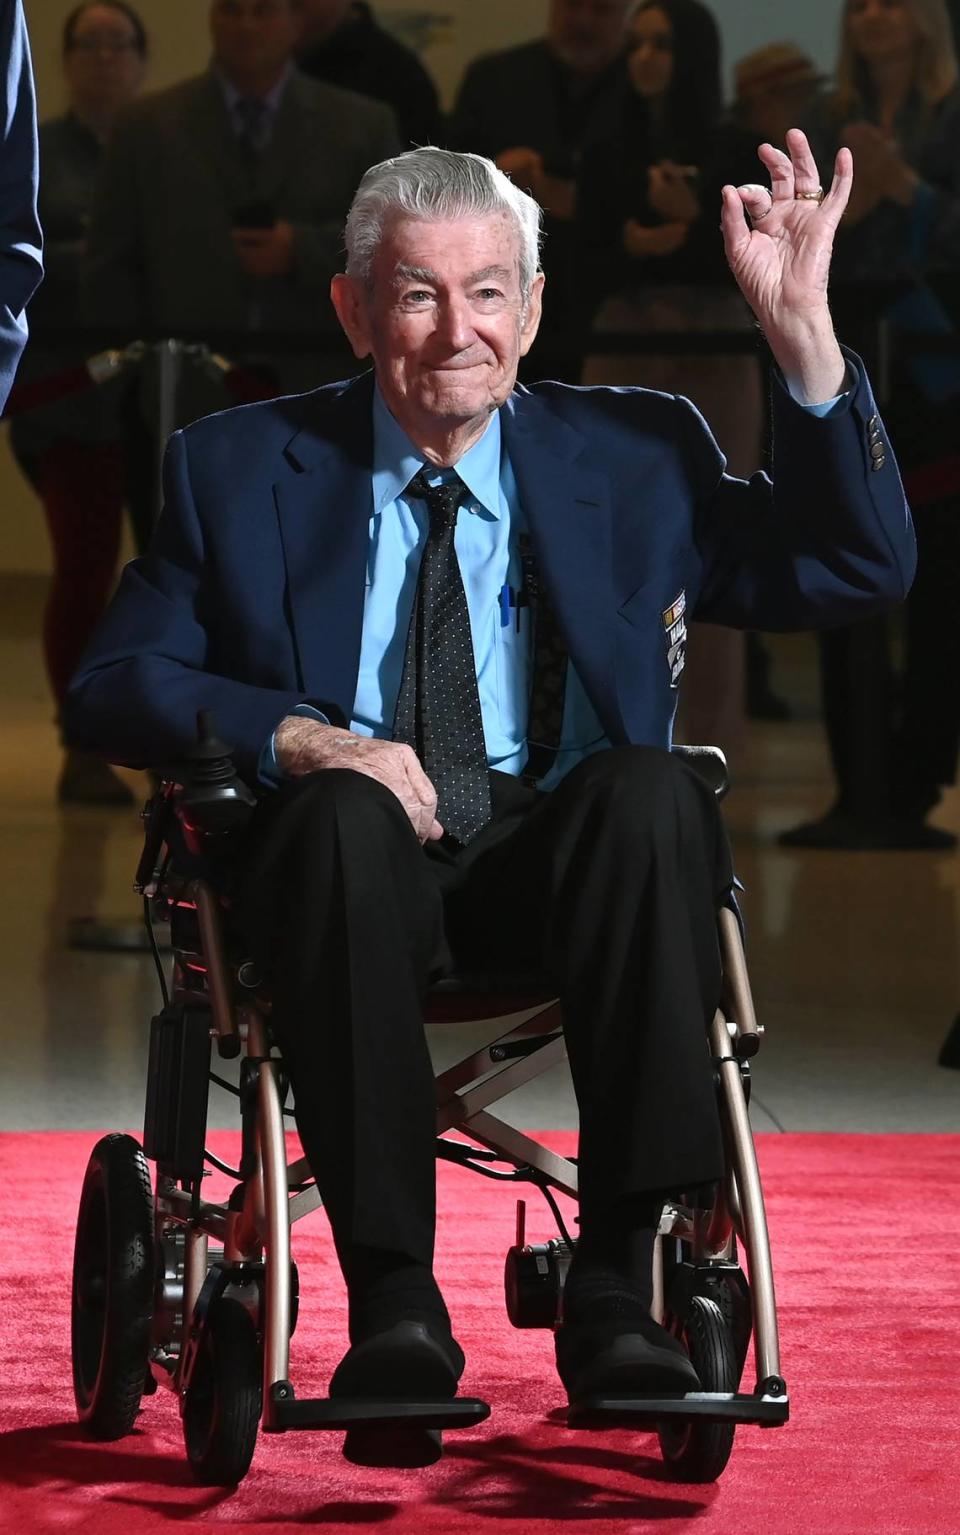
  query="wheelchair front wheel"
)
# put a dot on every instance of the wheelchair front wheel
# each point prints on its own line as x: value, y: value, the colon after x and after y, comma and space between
x: 698, y: 1451
x: 112, y: 1291
x: 221, y: 1411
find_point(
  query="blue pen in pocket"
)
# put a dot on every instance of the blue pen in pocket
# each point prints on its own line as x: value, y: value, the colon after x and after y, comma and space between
x: 511, y: 599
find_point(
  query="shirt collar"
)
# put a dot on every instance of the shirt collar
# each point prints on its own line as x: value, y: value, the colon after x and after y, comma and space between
x: 396, y: 461
x: 271, y: 98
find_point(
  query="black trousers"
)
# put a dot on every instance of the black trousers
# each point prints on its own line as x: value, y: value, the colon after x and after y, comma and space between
x: 611, y: 884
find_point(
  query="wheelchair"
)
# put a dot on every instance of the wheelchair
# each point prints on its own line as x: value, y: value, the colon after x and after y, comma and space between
x: 200, y: 1298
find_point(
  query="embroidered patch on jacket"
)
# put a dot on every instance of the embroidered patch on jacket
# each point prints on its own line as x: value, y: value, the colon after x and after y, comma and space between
x: 675, y: 628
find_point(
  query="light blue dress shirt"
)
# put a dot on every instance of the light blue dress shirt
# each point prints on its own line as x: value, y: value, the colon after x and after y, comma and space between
x: 486, y: 540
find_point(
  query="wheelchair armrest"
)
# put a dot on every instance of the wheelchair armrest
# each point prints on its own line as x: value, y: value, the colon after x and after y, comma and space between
x: 709, y: 763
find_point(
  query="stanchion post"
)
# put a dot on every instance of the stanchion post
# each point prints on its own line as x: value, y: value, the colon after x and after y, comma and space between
x: 166, y: 358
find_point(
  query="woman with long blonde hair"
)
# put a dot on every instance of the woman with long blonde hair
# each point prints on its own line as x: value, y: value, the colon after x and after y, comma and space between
x: 897, y: 106
x: 897, y: 264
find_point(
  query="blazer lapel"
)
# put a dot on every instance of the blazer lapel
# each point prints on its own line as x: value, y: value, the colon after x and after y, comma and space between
x: 323, y: 506
x: 568, y: 508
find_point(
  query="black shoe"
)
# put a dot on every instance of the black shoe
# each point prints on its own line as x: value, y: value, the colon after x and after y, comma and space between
x: 621, y: 1357
x: 839, y: 832
x: 409, y: 1362
x: 950, y: 1049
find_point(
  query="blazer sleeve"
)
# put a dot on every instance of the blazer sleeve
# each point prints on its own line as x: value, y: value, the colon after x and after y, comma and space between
x: 135, y: 696
x: 20, y: 263
x: 831, y: 539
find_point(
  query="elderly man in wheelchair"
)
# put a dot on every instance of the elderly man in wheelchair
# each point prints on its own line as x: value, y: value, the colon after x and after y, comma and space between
x: 440, y: 619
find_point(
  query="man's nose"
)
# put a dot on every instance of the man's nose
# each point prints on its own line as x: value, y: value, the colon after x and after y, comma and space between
x: 455, y: 323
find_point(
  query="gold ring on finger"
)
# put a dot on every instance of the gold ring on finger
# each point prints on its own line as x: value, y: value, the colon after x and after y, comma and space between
x: 810, y: 197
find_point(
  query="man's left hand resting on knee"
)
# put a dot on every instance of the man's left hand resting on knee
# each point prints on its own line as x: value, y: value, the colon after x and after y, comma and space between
x: 305, y: 746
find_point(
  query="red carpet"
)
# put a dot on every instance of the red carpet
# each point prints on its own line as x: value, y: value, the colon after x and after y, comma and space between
x: 866, y: 1236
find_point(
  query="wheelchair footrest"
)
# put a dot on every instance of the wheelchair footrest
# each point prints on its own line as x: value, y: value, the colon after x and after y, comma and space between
x: 690, y: 1406
x: 347, y: 1413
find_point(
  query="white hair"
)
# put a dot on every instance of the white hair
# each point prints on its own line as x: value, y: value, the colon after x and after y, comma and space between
x: 433, y: 184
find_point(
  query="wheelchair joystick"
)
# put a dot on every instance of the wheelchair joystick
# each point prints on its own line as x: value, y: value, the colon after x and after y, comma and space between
x: 211, y: 799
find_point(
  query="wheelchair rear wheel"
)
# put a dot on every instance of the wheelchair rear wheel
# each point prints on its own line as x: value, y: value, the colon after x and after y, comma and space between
x: 112, y: 1293
x: 221, y: 1411
x: 698, y: 1451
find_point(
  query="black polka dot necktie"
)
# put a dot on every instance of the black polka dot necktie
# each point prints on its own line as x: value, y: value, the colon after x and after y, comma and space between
x: 438, y: 707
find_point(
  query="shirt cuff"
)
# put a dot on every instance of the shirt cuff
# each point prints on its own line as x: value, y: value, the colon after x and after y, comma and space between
x: 269, y: 771
x: 834, y: 406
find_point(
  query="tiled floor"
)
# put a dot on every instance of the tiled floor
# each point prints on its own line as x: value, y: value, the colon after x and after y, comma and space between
x: 855, y: 959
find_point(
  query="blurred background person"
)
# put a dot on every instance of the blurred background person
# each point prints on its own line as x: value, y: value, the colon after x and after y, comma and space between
x: 343, y: 43
x: 536, y: 109
x: 70, y: 450
x: 649, y: 249
x: 641, y: 193
x: 774, y: 88
x: 897, y: 260
x: 220, y: 208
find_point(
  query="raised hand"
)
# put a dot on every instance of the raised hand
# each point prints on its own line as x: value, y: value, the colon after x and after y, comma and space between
x: 782, y: 260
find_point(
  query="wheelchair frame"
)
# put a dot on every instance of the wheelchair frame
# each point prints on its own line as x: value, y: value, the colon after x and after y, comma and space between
x: 216, y: 995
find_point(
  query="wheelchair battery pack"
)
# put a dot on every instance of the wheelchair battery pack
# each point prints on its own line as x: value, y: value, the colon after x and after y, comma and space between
x: 175, y: 1118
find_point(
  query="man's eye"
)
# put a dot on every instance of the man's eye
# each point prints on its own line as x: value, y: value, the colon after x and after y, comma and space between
x: 417, y: 296
x: 489, y: 293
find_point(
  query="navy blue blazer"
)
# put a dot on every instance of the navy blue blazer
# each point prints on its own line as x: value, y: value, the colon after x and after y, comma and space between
x: 20, y: 267
x: 250, y: 599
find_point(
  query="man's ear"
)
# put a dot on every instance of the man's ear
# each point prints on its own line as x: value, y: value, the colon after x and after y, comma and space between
x: 532, y: 313
x: 349, y: 298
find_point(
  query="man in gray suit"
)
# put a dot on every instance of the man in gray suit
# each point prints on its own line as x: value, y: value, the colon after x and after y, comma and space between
x: 223, y: 198
x: 221, y: 207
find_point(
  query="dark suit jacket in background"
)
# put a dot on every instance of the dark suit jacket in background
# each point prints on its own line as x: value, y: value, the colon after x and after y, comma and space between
x: 70, y: 156
x: 363, y: 56
x: 20, y: 264
x: 523, y: 97
x: 160, y: 253
x: 251, y: 598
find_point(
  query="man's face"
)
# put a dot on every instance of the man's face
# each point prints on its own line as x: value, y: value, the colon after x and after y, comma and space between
x: 252, y: 39
x: 443, y: 319
x: 587, y: 35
